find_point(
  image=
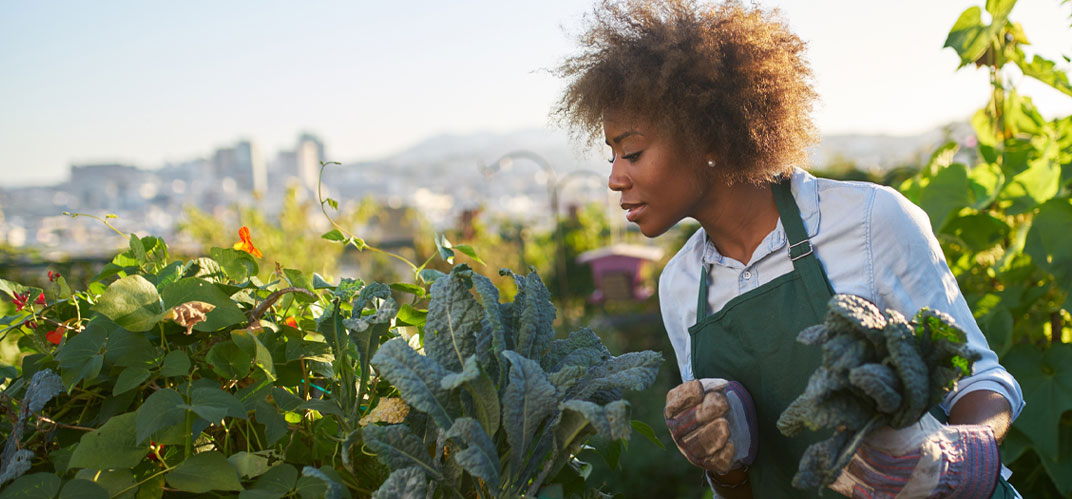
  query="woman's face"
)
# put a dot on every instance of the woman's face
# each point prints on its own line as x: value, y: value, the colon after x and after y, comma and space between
x: 658, y: 182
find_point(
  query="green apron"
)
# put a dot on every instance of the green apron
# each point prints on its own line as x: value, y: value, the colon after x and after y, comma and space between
x: 752, y: 340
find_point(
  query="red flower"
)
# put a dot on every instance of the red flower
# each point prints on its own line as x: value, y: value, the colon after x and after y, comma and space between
x: 246, y: 244
x: 41, y: 299
x: 54, y: 336
x: 292, y: 323
x: 20, y: 301
x: 52, y: 276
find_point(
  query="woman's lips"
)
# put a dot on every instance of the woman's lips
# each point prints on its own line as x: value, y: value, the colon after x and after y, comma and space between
x: 633, y: 210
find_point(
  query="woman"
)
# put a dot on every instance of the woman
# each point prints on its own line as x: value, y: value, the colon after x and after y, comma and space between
x: 706, y: 110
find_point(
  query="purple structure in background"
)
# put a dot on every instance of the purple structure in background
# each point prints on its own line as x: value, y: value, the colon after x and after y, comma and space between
x: 616, y: 272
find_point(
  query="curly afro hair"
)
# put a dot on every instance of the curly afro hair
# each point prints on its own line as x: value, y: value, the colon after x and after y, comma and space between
x: 726, y: 80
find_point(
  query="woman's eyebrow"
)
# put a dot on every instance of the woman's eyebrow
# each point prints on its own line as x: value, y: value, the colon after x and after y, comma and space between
x: 619, y: 138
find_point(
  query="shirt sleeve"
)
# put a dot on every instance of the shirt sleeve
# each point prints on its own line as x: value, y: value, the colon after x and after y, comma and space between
x: 909, y: 272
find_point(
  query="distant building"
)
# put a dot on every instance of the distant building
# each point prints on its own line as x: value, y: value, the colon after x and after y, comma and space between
x: 244, y: 165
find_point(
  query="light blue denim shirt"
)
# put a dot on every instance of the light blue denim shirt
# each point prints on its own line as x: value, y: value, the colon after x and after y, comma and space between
x: 872, y: 242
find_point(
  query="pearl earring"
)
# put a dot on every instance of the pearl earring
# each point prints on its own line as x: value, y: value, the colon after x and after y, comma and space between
x: 710, y: 163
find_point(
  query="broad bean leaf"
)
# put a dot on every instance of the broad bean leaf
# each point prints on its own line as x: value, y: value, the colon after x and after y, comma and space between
x: 275, y: 425
x: 83, y: 489
x: 252, y: 346
x: 404, y: 483
x: 453, y: 320
x: 225, y: 313
x: 970, y: 38
x: 127, y: 349
x: 248, y: 464
x: 33, y: 486
x: 112, y: 481
x: 132, y: 302
x: 479, y: 457
x: 947, y: 192
x: 80, y: 357
x: 528, y: 400
x: 300, y: 280
x: 160, y: 410
x: 112, y: 445
x: 1046, y: 380
x: 129, y: 379
x: 398, y: 447
x: 229, y: 361
x: 1035, y: 185
x: 214, y: 404
x: 417, y: 378
x: 176, y: 363
x: 275, y: 483
x: 978, y: 231
x: 204, y: 472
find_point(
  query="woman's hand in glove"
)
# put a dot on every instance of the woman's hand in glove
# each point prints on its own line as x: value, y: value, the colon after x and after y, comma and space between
x: 713, y: 424
x: 927, y: 459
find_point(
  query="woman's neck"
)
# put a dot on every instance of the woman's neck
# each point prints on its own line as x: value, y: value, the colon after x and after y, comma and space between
x: 738, y: 217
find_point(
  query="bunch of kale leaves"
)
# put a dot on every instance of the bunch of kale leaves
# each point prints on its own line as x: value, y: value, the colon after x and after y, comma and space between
x: 500, y: 405
x: 877, y: 369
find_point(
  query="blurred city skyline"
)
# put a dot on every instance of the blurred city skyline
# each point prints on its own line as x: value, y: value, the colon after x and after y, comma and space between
x: 152, y: 84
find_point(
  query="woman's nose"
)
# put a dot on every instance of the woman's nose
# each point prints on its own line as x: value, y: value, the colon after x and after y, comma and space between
x: 618, y: 180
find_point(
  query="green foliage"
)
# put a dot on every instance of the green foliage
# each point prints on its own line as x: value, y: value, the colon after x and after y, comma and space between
x: 1004, y: 229
x: 877, y: 370
x: 505, y: 406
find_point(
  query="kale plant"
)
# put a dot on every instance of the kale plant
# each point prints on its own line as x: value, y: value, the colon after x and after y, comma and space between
x: 877, y: 369
x: 501, y: 406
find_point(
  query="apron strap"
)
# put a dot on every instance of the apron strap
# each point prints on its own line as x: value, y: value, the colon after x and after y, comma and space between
x: 800, y: 252
x: 800, y: 249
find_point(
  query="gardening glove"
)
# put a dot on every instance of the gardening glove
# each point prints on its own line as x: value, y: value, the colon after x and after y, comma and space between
x: 713, y: 423
x: 927, y: 459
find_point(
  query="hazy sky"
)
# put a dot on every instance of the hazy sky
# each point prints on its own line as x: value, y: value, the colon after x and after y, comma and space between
x: 150, y: 82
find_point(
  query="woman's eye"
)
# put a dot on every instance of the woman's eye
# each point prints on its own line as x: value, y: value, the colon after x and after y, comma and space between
x: 632, y: 157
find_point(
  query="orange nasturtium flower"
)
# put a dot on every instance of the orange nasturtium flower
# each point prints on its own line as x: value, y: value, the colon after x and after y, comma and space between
x: 246, y: 244
x: 292, y: 323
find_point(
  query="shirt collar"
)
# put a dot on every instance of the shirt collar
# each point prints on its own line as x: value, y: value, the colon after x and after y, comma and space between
x: 805, y: 189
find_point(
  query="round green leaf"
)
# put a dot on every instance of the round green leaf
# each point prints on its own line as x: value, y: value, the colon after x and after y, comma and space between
x: 132, y: 302
x: 160, y: 410
x: 1046, y: 380
x: 238, y: 265
x: 176, y: 363
x: 204, y: 472
x: 83, y: 489
x: 110, y: 446
x: 33, y: 486
x: 129, y: 379
x: 229, y: 361
x: 248, y: 464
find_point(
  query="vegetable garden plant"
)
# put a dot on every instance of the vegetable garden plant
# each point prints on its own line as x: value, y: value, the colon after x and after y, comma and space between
x: 171, y: 377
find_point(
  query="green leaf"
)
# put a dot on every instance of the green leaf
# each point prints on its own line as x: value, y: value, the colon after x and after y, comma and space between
x: 417, y: 378
x: 132, y: 302
x: 404, y: 483
x: 985, y: 180
x: 1046, y: 380
x: 319, y: 484
x: 482, y: 389
x: 470, y: 252
x: 83, y: 489
x: 275, y: 483
x: 112, y: 481
x: 126, y: 349
x: 229, y: 361
x: 253, y: 347
x: 979, y: 231
x: 528, y: 400
x: 1049, y: 243
x: 430, y: 275
x: 454, y: 319
x: 33, y: 486
x: 409, y: 315
x: 320, y: 283
x: 335, y: 235
x: 646, y: 431
x: 160, y: 410
x: 970, y: 38
x: 1033, y: 186
x: 299, y: 280
x: 947, y: 192
x: 248, y: 464
x: 610, y: 421
x: 321, y: 406
x: 80, y: 357
x: 214, y: 404
x: 398, y: 447
x: 176, y: 363
x: 129, y: 379
x: 111, y: 446
x: 412, y: 289
x: 478, y: 457
x: 238, y: 265
x: 204, y: 472
x: 1044, y: 70
x: 332, y: 203
x: 275, y: 425
x: 190, y: 289
x: 443, y: 247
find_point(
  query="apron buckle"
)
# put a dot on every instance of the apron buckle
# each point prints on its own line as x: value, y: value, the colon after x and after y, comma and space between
x: 802, y: 255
